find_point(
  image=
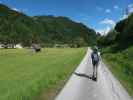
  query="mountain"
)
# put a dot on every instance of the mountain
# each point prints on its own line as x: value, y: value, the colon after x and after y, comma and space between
x: 118, y: 52
x: 121, y: 36
x: 125, y: 31
x: 63, y: 30
x: 16, y: 27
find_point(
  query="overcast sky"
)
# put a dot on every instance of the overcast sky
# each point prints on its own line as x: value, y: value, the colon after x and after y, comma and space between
x: 100, y: 15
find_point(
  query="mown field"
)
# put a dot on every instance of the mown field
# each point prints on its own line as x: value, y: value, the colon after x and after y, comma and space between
x: 121, y: 64
x: 24, y: 75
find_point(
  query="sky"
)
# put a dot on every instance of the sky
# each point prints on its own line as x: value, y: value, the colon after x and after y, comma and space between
x: 100, y: 15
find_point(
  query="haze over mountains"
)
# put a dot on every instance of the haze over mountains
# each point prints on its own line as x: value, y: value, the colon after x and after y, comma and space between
x: 16, y: 27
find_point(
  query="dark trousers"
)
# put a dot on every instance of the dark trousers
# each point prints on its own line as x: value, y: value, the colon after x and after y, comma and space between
x: 95, y: 67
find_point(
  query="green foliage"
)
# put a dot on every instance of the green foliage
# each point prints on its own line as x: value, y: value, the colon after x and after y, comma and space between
x: 121, y: 65
x: 125, y: 29
x: 63, y: 30
x: 121, y: 36
x: 108, y: 39
x: 23, y: 74
x: 120, y: 26
x: 118, y: 52
x: 16, y: 27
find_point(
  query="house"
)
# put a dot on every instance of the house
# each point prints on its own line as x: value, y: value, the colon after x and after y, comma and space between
x: 1, y: 46
x: 18, y: 46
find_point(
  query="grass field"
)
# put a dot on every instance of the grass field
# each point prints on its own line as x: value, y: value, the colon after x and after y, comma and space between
x: 121, y: 64
x: 24, y: 75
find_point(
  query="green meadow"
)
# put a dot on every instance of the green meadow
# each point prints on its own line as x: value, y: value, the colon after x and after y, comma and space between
x: 24, y: 75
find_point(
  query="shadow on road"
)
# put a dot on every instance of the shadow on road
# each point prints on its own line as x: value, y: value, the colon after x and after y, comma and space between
x: 85, y: 76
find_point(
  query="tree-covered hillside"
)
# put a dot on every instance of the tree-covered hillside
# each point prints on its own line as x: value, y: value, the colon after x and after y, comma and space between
x: 125, y: 31
x: 118, y: 51
x: 121, y: 36
x: 16, y: 27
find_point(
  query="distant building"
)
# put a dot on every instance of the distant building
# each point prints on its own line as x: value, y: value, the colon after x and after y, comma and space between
x: 1, y: 45
x: 18, y: 46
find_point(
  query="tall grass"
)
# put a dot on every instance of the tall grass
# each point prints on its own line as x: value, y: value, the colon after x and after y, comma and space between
x: 23, y: 74
x: 121, y: 64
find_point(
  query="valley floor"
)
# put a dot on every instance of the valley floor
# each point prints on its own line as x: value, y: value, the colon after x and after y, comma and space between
x: 24, y: 75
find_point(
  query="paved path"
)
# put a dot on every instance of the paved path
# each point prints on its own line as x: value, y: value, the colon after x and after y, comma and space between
x: 81, y: 87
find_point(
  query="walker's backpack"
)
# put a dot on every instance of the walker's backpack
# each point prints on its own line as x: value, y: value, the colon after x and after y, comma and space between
x: 95, y: 57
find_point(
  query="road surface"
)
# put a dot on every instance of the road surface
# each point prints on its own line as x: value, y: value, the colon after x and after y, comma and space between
x: 81, y: 87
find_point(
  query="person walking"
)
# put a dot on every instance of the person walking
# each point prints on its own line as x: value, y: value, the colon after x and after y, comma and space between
x: 95, y: 62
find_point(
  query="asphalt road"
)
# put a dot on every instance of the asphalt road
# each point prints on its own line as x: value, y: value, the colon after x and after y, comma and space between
x: 81, y: 87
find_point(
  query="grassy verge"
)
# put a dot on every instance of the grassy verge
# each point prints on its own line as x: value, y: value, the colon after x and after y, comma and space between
x: 24, y: 75
x: 121, y: 65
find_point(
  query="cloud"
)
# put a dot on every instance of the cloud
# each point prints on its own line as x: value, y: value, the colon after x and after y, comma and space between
x: 130, y: 9
x: 109, y: 24
x: 124, y: 17
x: 15, y: 9
x: 104, y: 31
x: 108, y: 21
x: 18, y: 10
x: 84, y: 17
x: 116, y: 7
x: 99, y: 8
x: 131, y: 5
x: 108, y: 11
